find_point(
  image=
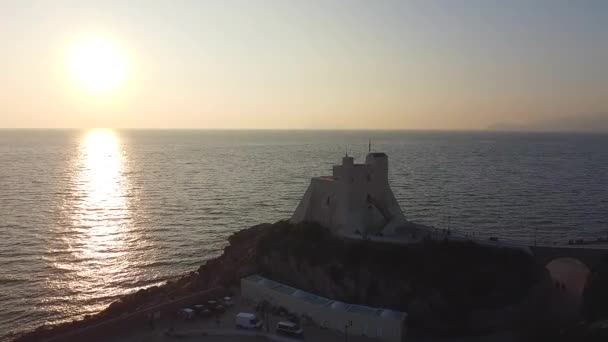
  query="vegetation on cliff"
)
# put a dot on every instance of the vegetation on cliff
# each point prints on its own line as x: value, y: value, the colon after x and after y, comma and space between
x: 595, y: 298
x: 446, y: 287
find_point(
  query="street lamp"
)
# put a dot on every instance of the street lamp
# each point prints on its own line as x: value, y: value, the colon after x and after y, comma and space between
x: 265, y: 308
x: 350, y: 324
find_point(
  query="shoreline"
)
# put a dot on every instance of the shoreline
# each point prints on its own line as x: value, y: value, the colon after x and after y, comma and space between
x: 175, y: 290
x: 328, y: 270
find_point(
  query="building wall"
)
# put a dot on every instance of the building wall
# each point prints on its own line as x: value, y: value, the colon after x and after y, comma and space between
x: 334, y: 319
x: 381, y: 192
x: 319, y: 204
x: 362, y: 325
x: 360, y: 199
x: 303, y: 209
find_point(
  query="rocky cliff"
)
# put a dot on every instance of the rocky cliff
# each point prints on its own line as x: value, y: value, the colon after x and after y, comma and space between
x: 449, y: 288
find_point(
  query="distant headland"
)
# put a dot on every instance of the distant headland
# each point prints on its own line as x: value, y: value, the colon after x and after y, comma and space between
x: 584, y: 123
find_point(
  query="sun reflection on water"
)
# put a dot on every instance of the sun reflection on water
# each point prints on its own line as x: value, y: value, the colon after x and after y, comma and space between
x: 103, y: 211
x: 97, y: 232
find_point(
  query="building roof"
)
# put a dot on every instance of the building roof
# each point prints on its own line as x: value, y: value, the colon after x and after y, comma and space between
x: 254, y: 278
x: 322, y: 301
x: 339, y: 305
x: 285, y: 289
x: 364, y: 310
x: 311, y: 298
x: 269, y: 283
x: 393, y: 314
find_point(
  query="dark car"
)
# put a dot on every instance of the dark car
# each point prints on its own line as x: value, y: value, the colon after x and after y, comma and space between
x: 202, y: 310
x: 215, y: 306
x: 228, y: 301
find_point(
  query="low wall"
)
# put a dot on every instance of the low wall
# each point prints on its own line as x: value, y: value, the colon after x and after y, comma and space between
x: 136, y: 319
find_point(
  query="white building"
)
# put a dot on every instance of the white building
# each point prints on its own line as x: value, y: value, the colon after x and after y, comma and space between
x: 388, y: 325
x: 356, y: 199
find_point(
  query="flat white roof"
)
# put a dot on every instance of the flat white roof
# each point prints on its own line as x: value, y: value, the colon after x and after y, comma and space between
x: 322, y: 301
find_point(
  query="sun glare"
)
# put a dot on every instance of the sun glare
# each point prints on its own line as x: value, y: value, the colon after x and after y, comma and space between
x: 98, y: 64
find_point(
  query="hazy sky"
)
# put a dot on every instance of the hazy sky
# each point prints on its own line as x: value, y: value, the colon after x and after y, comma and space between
x: 308, y: 64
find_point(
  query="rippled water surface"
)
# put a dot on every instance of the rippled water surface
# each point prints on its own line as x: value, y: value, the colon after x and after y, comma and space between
x: 86, y: 216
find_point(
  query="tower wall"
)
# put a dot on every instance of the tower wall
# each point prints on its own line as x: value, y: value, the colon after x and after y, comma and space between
x: 357, y: 199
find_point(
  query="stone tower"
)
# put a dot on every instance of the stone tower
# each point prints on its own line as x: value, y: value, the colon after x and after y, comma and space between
x: 355, y: 200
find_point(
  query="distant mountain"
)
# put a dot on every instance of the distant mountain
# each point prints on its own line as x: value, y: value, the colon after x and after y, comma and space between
x: 596, y: 122
x: 503, y: 126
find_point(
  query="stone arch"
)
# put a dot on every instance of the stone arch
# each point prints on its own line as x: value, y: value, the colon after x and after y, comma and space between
x: 569, y: 275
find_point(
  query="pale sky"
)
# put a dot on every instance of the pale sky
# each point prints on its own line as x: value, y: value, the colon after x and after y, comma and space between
x: 307, y: 64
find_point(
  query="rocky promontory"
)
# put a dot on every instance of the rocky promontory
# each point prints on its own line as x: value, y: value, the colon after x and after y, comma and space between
x: 448, y: 288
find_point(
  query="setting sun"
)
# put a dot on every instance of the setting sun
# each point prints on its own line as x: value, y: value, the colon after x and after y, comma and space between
x: 97, y: 64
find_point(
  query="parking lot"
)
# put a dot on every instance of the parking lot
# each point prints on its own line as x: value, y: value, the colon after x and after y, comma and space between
x: 221, y: 327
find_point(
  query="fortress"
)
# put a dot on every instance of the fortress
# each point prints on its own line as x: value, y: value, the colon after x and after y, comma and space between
x: 355, y: 200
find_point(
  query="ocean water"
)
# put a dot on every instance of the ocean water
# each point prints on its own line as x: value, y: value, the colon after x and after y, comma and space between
x: 86, y: 216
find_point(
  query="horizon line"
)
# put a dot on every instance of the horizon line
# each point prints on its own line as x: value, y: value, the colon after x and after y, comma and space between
x: 461, y: 130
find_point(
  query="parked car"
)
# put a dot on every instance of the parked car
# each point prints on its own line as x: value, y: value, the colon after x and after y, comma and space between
x: 228, y: 301
x: 202, y: 310
x: 289, y: 329
x: 215, y: 306
x: 186, y: 313
x: 247, y: 321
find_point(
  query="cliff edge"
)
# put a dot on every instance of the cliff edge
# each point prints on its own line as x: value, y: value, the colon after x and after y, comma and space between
x: 447, y: 288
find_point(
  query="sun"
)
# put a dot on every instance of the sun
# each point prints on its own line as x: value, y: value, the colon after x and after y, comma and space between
x: 97, y: 64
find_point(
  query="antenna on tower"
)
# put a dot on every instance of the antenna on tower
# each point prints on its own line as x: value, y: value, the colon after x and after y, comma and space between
x: 369, y: 146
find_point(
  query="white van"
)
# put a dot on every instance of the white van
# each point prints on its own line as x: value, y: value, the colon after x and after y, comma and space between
x: 289, y: 328
x: 247, y: 321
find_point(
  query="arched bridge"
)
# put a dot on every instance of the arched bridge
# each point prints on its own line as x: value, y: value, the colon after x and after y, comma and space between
x: 590, y: 255
x: 570, y: 268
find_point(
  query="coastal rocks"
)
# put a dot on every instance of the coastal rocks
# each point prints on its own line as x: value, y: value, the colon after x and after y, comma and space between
x: 237, y: 261
x: 445, y: 282
x: 443, y: 285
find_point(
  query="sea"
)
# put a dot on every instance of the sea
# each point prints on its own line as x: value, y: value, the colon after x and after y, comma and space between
x: 89, y: 215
